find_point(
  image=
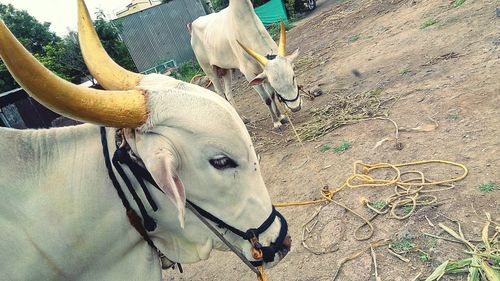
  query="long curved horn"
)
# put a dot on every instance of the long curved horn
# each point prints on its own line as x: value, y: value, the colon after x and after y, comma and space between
x: 261, y: 59
x: 282, y: 45
x: 119, y: 109
x: 107, y: 72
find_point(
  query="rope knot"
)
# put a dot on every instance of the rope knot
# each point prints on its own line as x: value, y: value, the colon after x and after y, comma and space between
x: 365, y: 170
x: 121, y: 155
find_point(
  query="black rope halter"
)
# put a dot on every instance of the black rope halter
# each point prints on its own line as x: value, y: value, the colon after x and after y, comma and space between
x: 122, y: 157
x: 284, y: 100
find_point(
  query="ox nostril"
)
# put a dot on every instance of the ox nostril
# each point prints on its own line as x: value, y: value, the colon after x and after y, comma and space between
x: 288, y: 242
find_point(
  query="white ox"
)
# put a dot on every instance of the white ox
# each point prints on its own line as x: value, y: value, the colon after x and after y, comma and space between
x: 61, y: 218
x: 235, y: 38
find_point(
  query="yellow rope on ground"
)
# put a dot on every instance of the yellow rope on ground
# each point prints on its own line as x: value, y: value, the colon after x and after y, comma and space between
x: 357, y: 180
x: 263, y: 276
x: 194, y: 77
x: 209, y: 83
x: 360, y: 178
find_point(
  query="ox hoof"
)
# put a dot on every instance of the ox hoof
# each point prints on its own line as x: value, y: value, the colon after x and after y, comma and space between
x: 284, y: 119
x: 278, y: 127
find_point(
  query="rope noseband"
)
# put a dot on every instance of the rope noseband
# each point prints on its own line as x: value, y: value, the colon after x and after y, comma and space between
x: 284, y: 100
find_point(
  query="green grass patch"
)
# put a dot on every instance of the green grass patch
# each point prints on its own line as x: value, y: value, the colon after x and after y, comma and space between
x: 379, y: 205
x: 428, y: 22
x: 405, y: 71
x: 343, y: 146
x: 453, y: 116
x: 488, y: 187
x: 354, y: 38
x: 424, y: 257
x: 407, y: 209
x: 274, y: 29
x: 187, y: 70
x: 325, y: 147
x: 402, y: 246
x: 457, y: 3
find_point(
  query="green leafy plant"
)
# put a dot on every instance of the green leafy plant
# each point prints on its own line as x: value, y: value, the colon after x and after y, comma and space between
x: 379, y: 204
x: 354, y: 38
x: 407, y: 209
x: 453, y: 116
x: 325, y: 147
x: 405, y: 71
x: 274, y: 29
x: 488, y: 187
x: 482, y: 261
x: 218, y: 5
x: 402, y: 246
x: 187, y: 70
x: 343, y: 146
x: 428, y: 22
x: 424, y: 257
x: 457, y: 3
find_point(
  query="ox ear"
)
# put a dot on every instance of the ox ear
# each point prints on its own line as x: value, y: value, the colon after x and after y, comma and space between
x: 259, y: 79
x: 161, y: 163
x: 293, y: 56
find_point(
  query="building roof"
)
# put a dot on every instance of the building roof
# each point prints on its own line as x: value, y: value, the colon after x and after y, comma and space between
x: 137, y: 6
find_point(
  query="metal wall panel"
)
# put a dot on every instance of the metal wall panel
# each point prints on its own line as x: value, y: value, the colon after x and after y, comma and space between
x: 159, y: 34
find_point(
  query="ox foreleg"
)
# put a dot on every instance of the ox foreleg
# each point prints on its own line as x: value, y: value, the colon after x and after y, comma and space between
x: 282, y: 118
x: 227, y: 77
x: 271, y: 104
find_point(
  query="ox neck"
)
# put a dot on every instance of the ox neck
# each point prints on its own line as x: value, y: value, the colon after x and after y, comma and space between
x: 57, y: 178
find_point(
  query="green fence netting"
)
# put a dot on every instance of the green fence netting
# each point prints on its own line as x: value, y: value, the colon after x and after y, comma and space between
x: 271, y: 12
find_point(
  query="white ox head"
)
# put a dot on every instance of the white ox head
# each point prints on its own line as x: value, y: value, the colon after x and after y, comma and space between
x: 191, y: 140
x: 278, y: 71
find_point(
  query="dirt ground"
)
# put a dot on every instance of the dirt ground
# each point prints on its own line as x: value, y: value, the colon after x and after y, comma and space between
x: 448, y: 71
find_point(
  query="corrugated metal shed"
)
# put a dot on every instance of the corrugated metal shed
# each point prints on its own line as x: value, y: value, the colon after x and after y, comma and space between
x: 159, y: 34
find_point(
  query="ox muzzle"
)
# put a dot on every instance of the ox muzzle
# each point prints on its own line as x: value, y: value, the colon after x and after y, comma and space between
x: 262, y: 254
x: 287, y: 102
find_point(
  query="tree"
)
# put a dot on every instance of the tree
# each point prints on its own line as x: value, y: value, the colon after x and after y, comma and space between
x: 109, y: 34
x: 60, y: 55
x: 31, y: 33
x: 28, y: 30
x: 72, y: 57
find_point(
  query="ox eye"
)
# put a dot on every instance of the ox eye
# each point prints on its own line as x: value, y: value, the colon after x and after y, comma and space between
x: 222, y: 163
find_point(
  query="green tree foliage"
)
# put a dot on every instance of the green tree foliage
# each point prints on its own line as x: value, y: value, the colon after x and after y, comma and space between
x: 60, y: 55
x: 109, y: 34
x: 31, y: 33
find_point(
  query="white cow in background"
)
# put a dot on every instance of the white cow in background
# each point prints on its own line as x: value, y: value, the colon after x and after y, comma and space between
x: 61, y: 218
x: 235, y: 38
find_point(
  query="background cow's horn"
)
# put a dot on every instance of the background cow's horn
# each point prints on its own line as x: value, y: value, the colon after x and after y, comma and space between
x: 261, y: 59
x: 282, y: 45
x: 119, y: 109
x: 108, y: 73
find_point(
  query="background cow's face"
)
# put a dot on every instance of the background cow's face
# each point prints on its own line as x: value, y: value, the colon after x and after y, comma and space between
x: 278, y: 72
x: 201, y: 150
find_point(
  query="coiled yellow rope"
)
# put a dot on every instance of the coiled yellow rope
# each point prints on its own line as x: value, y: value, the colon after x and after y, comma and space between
x: 363, y: 179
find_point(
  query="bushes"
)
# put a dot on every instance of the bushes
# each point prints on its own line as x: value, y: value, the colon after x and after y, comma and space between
x: 187, y: 70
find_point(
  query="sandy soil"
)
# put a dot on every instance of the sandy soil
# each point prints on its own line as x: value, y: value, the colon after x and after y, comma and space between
x: 448, y: 71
